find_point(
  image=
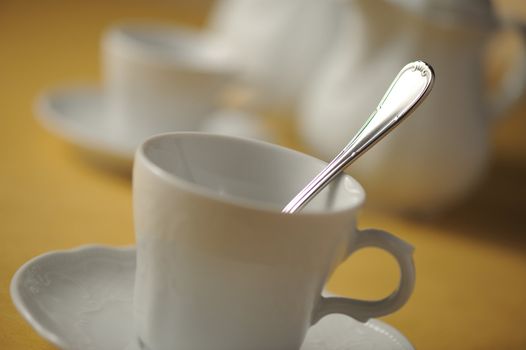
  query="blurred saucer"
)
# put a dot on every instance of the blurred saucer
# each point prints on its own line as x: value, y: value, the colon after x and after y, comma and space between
x: 77, y: 115
x: 82, y: 299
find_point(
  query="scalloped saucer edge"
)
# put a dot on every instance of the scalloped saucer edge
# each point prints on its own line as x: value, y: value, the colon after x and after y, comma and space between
x: 82, y: 299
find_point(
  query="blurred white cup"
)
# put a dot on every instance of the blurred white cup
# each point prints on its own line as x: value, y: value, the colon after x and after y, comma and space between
x: 160, y: 78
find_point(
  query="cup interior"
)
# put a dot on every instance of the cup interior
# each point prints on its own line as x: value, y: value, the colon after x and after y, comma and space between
x: 245, y: 172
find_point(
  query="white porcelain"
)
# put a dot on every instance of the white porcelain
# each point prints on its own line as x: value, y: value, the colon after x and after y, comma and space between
x: 157, y: 78
x: 280, y: 43
x: 439, y: 155
x: 81, y: 299
x: 216, y: 255
x: 239, y: 123
x: 77, y: 114
x: 160, y: 78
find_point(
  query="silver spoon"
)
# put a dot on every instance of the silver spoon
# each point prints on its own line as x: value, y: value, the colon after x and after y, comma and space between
x: 407, y: 91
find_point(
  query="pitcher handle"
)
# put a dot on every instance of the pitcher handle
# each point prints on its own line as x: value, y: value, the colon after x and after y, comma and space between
x: 512, y: 85
x: 363, y: 310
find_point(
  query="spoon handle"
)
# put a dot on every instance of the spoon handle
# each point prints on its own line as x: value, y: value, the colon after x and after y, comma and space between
x: 407, y: 91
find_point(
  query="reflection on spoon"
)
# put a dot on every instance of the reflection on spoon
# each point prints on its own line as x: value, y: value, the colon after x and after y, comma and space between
x: 407, y: 91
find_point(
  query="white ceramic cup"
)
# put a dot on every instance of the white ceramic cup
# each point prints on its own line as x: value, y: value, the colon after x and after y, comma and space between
x: 160, y: 78
x: 220, y: 267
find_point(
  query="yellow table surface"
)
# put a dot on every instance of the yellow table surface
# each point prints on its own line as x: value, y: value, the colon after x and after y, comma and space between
x: 471, y: 261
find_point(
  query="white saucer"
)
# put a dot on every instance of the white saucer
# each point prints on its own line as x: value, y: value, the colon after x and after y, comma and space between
x: 82, y: 299
x: 77, y: 115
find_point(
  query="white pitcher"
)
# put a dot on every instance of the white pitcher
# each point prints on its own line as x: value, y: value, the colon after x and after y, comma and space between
x: 280, y: 44
x: 441, y: 152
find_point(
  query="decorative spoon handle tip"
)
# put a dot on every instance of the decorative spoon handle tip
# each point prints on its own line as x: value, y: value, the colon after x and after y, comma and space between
x: 407, y: 91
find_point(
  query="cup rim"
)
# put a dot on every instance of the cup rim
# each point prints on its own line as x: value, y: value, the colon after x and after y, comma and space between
x: 140, y: 156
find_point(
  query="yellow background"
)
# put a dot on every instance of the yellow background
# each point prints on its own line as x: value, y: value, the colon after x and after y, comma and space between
x: 471, y: 261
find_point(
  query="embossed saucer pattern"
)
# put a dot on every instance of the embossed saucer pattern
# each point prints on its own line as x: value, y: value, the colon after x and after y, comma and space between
x: 81, y: 299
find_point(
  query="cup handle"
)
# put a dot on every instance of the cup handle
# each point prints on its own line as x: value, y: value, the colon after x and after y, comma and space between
x: 362, y: 310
